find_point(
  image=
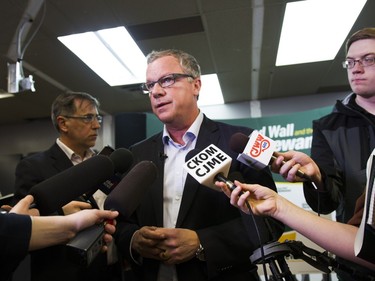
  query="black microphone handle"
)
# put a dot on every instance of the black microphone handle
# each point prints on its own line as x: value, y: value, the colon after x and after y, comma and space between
x: 220, y: 177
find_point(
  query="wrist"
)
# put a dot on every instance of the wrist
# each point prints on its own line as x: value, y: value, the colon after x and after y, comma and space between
x: 199, y: 253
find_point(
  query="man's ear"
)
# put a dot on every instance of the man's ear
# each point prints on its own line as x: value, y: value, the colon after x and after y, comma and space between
x: 197, y: 86
x: 61, y: 123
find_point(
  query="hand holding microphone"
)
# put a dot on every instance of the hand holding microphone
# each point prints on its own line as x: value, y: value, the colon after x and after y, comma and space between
x: 124, y: 198
x: 53, y: 193
x: 259, y: 151
x: 288, y: 165
x: 251, y: 198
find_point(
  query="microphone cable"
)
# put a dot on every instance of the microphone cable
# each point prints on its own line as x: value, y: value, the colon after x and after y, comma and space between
x: 260, y: 240
x: 20, y: 50
x: 232, y: 186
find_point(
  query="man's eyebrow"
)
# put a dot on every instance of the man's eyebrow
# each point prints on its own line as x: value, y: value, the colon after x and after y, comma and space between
x: 368, y: 54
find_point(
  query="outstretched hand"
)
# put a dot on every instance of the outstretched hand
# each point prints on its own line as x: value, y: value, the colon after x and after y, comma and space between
x: 262, y: 200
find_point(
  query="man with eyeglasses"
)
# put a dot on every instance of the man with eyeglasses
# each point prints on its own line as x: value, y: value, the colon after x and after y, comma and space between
x: 183, y: 230
x: 76, y: 118
x: 344, y: 139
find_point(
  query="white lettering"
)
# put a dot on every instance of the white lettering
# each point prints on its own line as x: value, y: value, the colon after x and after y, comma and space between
x: 294, y: 144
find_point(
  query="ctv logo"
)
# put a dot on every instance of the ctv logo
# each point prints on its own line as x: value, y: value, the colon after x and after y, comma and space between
x: 261, y: 144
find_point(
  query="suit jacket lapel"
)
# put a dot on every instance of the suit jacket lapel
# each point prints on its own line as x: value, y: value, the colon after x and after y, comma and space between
x: 60, y: 161
x: 156, y: 191
x: 208, y: 134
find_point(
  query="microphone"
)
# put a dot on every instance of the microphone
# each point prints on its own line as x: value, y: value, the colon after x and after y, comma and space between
x: 86, y: 245
x: 162, y: 156
x: 125, y: 198
x: 213, y: 164
x: 210, y: 165
x: 257, y: 151
x: 131, y: 189
x: 55, y: 192
x: 122, y: 159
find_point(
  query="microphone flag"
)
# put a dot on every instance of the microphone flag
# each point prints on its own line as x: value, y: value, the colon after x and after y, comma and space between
x: 258, y: 151
x: 207, y: 164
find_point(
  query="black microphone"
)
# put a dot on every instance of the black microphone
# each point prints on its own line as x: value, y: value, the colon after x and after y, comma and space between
x: 122, y: 159
x: 86, y: 245
x: 131, y: 189
x: 125, y: 198
x: 55, y: 192
x: 162, y: 156
x: 257, y: 151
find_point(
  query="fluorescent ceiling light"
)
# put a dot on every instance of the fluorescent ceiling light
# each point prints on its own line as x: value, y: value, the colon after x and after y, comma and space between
x: 210, y: 93
x: 314, y: 30
x: 4, y: 95
x: 116, y: 58
x: 110, y: 53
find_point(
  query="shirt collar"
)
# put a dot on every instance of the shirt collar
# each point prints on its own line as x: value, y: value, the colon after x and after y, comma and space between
x: 190, y: 134
x: 71, y: 154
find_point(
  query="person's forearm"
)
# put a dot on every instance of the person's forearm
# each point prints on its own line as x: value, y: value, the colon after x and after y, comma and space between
x: 335, y: 237
x: 48, y: 231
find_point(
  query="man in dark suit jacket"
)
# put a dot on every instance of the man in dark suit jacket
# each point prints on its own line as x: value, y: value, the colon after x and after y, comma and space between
x: 75, y: 116
x: 183, y: 230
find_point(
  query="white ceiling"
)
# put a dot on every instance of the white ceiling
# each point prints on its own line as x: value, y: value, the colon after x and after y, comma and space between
x: 237, y: 39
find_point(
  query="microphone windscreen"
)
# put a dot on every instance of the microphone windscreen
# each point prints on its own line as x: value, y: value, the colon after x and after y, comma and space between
x: 55, y: 192
x: 238, y: 142
x: 128, y: 194
x: 122, y: 159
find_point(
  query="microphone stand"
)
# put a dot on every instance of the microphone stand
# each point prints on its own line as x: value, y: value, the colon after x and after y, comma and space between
x: 274, y: 255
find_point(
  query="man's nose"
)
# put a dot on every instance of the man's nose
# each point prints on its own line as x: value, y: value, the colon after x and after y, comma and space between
x: 157, y: 90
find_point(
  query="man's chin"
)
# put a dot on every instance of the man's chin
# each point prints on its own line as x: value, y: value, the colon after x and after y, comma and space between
x: 91, y: 143
x: 163, y: 115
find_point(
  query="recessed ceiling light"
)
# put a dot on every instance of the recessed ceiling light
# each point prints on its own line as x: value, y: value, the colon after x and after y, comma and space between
x: 314, y: 30
x: 210, y: 93
x: 110, y: 53
x: 116, y: 58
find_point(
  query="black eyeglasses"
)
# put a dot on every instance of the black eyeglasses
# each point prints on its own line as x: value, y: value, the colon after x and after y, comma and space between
x: 366, y: 61
x: 89, y: 118
x: 165, y: 81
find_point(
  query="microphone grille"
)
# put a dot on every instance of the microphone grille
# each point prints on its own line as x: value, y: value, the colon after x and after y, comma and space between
x: 126, y: 197
x: 122, y: 159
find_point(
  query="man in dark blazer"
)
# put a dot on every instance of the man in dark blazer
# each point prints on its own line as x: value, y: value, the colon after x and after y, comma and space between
x: 183, y: 230
x: 76, y: 118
